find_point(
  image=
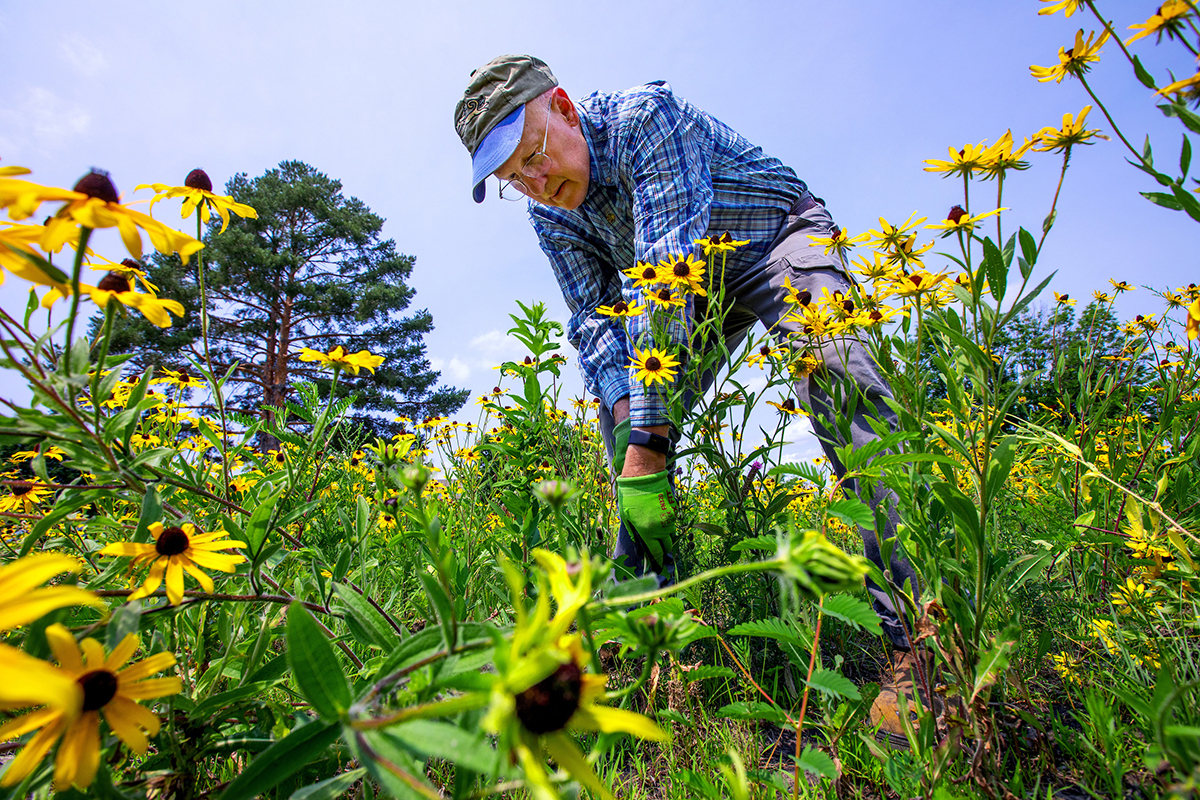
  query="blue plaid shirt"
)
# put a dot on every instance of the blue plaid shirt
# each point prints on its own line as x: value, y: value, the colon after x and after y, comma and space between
x: 663, y: 174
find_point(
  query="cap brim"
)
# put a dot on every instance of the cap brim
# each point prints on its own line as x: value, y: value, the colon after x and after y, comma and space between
x: 495, y: 149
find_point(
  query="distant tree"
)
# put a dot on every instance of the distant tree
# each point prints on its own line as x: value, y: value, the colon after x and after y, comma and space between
x: 310, y: 271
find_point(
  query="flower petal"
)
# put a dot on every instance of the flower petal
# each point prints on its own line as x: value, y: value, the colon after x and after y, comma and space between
x: 121, y: 654
x: 152, y: 688
x: 33, y: 752
x: 611, y: 720
x: 63, y: 645
x: 564, y: 750
x: 120, y: 716
x: 146, y: 667
x: 174, y: 582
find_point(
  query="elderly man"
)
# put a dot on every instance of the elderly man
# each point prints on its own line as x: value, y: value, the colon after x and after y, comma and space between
x: 638, y: 176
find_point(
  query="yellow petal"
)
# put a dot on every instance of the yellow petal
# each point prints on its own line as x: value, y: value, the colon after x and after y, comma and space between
x: 117, y: 715
x: 152, y: 687
x: 42, y: 601
x: 127, y: 549
x: 154, y: 579
x: 611, y: 720
x: 63, y: 645
x: 206, y: 583
x: 138, y: 715
x: 25, y: 573
x: 33, y: 753
x: 174, y: 582
x: 93, y: 654
x: 79, y: 754
x: 146, y: 667
x: 122, y: 653
x: 130, y: 236
x: 564, y: 750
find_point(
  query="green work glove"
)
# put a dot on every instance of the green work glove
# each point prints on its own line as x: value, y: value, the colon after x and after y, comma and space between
x: 647, y: 507
x: 620, y: 445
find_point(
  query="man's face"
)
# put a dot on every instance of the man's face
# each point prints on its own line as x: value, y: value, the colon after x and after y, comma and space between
x: 563, y: 182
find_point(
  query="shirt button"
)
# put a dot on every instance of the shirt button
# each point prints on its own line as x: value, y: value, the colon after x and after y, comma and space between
x: 611, y: 217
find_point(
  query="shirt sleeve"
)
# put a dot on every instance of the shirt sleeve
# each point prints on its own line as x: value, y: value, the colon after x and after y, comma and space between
x: 603, y: 346
x: 664, y: 154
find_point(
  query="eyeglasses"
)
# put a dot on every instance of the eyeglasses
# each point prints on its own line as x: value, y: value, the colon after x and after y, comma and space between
x: 536, y: 166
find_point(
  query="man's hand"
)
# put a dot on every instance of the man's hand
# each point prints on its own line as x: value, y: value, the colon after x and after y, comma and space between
x: 638, y: 460
x: 647, y: 508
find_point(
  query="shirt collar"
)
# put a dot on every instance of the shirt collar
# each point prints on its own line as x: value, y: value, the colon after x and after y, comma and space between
x: 602, y: 172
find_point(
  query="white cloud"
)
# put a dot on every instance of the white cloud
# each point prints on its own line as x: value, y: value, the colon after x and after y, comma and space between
x: 84, y: 57
x: 454, y: 369
x: 42, y: 121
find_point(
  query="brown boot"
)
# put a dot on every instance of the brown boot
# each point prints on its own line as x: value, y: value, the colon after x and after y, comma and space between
x: 885, y: 711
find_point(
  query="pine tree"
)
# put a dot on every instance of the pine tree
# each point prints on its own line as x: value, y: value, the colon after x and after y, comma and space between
x: 310, y: 271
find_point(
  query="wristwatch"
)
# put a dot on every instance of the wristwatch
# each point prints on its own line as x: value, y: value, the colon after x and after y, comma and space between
x: 652, y: 441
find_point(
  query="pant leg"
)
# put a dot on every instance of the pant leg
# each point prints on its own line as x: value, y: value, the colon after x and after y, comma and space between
x: 848, y: 368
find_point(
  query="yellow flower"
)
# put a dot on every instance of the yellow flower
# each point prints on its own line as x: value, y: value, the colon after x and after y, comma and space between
x: 720, y: 244
x: 18, y: 256
x: 1120, y: 286
x: 1168, y: 19
x: 644, y: 275
x: 916, y: 283
x: 117, y: 286
x: 878, y: 268
x: 788, y: 407
x: 1071, y: 6
x: 967, y: 161
x: 98, y: 683
x: 764, y: 354
x: 1075, y: 61
x: 22, y: 456
x: 620, y: 309
x: 1070, y: 134
x: 1063, y: 299
x: 667, y: 298
x: 1193, y: 321
x: 890, y: 237
x: 839, y: 242
x: 1179, y: 86
x: 1000, y: 156
x: 468, y: 454
x: 180, y: 378
x: 338, y: 358
x: 685, y: 274
x: 957, y: 220
x: 653, y: 365
x: 176, y: 550
x: 197, y: 191
x: 1101, y: 297
x: 94, y: 203
x: 25, y: 497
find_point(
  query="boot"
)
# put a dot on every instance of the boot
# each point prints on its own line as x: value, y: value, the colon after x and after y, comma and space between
x: 885, y: 710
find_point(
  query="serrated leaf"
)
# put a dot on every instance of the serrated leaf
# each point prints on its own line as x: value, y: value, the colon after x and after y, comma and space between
x: 817, y: 762
x: 281, y: 760
x: 707, y: 671
x: 853, y: 512
x: 853, y: 611
x: 753, y: 710
x: 314, y: 664
x: 834, y: 684
x: 773, y: 628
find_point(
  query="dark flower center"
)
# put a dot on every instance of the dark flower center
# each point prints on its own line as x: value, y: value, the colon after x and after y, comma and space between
x: 726, y: 238
x: 112, y: 282
x: 131, y: 264
x: 21, y: 488
x: 653, y: 364
x: 198, y: 179
x: 648, y: 273
x: 805, y: 297
x: 621, y: 307
x: 528, y: 360
x: 664, y: 294
x: 548, y: 705
x: 1065, y: 298
x: 956, y: 213
x: 848, y: 306
x: 764, y: 351
x: 682, y: 270
x: 916, y: 280
x: 789, y: 404
x: 876, y: 316
x: 97, y: 184
x: 280, y: 458
x: 99, y: 687
x: 171, y: 542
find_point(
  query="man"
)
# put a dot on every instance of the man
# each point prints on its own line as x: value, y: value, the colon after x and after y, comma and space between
x: 638, y: 176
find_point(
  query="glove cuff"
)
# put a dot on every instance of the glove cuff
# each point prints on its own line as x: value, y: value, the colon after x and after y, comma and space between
x: 620, y: 444
x: 656, y: 482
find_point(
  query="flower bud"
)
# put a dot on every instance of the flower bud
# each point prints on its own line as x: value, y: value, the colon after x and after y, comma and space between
x: 820, y: 567
x: 555, y: 493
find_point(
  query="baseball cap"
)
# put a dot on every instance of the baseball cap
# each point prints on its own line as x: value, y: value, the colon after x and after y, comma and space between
x: 490, y: 116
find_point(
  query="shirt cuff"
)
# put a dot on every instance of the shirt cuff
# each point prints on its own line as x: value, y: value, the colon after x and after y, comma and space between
x: 647, y: 408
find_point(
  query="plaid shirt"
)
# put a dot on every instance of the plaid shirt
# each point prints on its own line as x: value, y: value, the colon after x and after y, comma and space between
x: 663, y: 174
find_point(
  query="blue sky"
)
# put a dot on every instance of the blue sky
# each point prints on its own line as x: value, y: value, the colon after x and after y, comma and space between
x: 852, y: 96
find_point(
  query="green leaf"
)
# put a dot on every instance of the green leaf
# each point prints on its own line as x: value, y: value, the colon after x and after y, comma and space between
x: 1188, y: 201
x: 834, y: 684
x: 256, y: 528
x: 817, y: 762
x: 1186, y: 116
x: 1142, y: 75
x: 768, y: 543
x: 330, y: 788
x: 851, y: 610
x: 1163, y: 199
x: 124, y: 621
x: 314, y: 664
x: 753, y: 710
x: 994, y: 267
x: 1185, y: 157
x: 773, y: 628
x: 1028, y: 247
x: 853, y: 512
x: 378, y: 632
x: 441, y: 604
x: 281, y: 760
x: 469, y: 749
x: 391, y: 765
x: 705, y: 672
x: 994, y: 660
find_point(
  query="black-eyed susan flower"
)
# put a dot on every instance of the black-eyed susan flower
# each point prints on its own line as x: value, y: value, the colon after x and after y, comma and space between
x: 684, y: 274
x: 1063, y: 299
x: 179, y: 378
x: 667, y: 298
x: 1179, y: 87
x: 653, y: 366
x: 838, y: 241
x: 958, y: 221
x: 197, y: 193
x: 1169, y: 19
x: 890, y: 237
x: 620, y: 309
x: 1001, y: 157
x: 720, y: 244
x: 1075, y: 61
x: 25, y: 497
x: 128, y: 268
x: 115, y: 286
x: 1121, y: 286
x: 21, y: 456
x: 99, y: 683
x: 916, y: 283
x: 963, y: 163
x: 764, y: 354
x: 644, y: 276
x: 178, y: 549
x: 788, y: 407
x: 95, y: 203
x: 338, y: 358
x: 1070, y: 134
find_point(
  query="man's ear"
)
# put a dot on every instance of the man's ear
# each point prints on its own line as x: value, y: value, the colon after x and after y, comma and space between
x: 563, y: 105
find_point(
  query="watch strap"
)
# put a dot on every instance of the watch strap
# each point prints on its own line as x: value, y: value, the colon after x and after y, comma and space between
x: 651, y: 441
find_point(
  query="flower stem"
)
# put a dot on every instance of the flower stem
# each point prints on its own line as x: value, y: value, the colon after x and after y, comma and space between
x: 84, y: 233
x: 212, y: 376
x: 695, y: 580
x: 812, y: 663
x: 110, y: 313
x: 1113, y: 123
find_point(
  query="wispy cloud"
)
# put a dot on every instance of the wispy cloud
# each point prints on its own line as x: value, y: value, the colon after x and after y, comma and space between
x: 41, y: 121
x: 83, y: 57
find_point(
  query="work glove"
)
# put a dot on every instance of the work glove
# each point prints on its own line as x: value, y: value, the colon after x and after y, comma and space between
x: 620, y: 445
x: 647, y: 508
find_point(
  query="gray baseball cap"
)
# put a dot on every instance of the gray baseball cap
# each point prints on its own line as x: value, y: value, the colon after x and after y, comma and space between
x: 490, y: 117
